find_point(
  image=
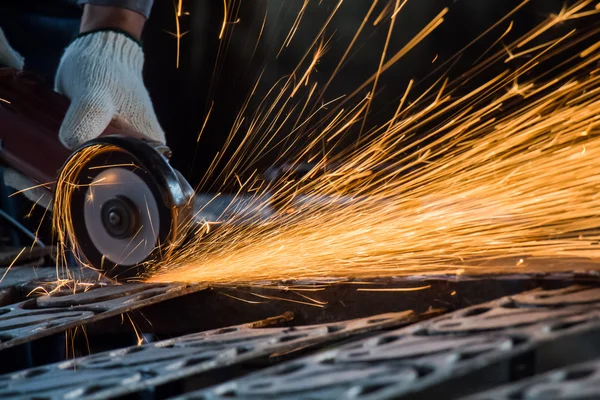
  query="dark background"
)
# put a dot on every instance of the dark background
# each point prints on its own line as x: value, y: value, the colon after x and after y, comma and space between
x: 182, y: 97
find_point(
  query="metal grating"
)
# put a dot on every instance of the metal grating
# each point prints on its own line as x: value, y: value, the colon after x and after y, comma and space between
x: 135, y: 369
x: 458, y: 354
x: 446, y: 357
x: 44, y: 316
x: 577, y: 382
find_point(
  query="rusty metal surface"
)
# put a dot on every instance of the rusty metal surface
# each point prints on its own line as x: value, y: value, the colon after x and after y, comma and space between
x: 446, y: 357
x: 43, y: 316
x: 135, y: 369
x: 580, y: 381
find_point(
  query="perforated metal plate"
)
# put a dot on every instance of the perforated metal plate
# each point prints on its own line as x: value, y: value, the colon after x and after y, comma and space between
x: 446, y: 357
x: 134, y: 369
x: 577, y: 382
x: 43, y: 316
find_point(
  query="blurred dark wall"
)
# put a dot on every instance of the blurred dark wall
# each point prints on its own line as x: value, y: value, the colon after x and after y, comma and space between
x: 40, y: 30
x: 183, y: 96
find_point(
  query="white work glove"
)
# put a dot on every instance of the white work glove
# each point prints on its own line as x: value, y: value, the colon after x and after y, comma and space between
x: 101, y: 72
x: 8, y: 56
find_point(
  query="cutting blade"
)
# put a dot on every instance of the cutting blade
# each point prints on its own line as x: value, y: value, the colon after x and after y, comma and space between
x: 121, y: 205
x: 121, y: 216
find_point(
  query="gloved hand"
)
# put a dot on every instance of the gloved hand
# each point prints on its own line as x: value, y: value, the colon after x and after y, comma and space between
x: 8, y: 56
x: 101, y: 72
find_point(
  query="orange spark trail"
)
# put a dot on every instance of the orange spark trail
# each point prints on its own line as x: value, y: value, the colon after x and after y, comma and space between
x: 457, y: 180
x: 507, y: 170
x: 224, y: 20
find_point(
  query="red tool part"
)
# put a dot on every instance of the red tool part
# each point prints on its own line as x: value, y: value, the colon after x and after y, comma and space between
x: 30, y: 117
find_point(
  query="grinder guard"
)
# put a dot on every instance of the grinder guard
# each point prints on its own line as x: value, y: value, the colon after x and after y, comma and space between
x: 136, y: 213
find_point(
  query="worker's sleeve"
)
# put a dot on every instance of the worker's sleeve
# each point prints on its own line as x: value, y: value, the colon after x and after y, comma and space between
x: 141, y: 6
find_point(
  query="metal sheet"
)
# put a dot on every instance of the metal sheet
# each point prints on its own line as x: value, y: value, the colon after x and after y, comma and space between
x: 445, y: 357
x: 134, y: 369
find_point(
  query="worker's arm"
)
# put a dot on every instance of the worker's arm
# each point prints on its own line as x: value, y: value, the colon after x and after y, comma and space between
x: 110, y: 17
x: 141, y: 7
x: 8, y: 56
x: 101, y: 72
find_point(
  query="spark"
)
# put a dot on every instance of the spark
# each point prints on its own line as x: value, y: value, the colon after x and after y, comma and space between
x: 348, y: 49
x: 41, y: 289
x: 34, y: 206
x: 398, y: 8
x: 590, y: 50
x: 224, y: 20
x: 70, y: 342
x: 87, y: 341
x: 384, y: 12
x: 412, y: 289
x: 178, y: 34
x: 150, y: 217
x: 242, y: 300
x: 426, y: 31
x: 37, y: 231
x: 310, y: 298
x: 112, y: 166
x: 564, y: 15
x: 312, y: 302
x: 294, y: 28
x: 212, y: 103
x: 317, y: 56
x: 381, y: 61
x: 138, y: 335
x: 41, y: 185
x: 12, y: 264
x: 62, y: 221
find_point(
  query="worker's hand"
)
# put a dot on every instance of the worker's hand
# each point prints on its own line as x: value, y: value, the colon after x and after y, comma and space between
x: 8, y: 56
x: 101, y: 72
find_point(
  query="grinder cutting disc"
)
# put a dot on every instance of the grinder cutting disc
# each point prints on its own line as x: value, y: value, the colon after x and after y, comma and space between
x: 128, y: 204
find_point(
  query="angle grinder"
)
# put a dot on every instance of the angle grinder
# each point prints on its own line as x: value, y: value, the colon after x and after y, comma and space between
x: 126, y: 204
